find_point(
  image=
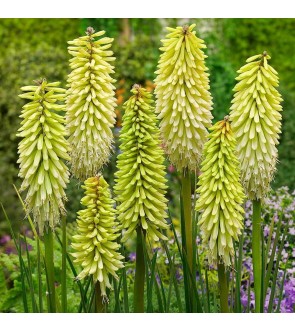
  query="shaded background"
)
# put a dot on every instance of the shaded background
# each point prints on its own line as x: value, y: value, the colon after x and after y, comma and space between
x: 33, y: 48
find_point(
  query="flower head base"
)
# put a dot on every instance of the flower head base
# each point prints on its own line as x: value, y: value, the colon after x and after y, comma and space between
x: 90, y: 103
x: 141, y: 183
x: 41, y: 150
x: 221, y: 194
x: 256, y: 123
x: 95, y: 244
x: 183, y: 97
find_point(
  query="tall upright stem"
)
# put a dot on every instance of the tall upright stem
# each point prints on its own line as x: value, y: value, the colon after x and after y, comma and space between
x: 49, y: 264
x: 223, y: 288
x: 99, y: 306
x: 64, y: 265
x: 187, y: 238
x: 256, y: 253
x: 139, y: 273
x: 187, y: 211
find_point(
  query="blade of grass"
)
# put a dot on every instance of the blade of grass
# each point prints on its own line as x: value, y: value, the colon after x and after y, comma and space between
x: 64, y: 265
x: 170, y: 286
x: 39, y: 272
x: 151, y: 281
x: 172, y: 273
x: 275, y: 274
x: 30, y: 277
x: 117, y: 297
x: 83, y: 295
x: 24, y: 292
x: 263, y: 286
x: 238, y: 266
x: 282, y: 289
x: 207, y: 290
x: 125, y: 286
x: 272, y: 256
x: 158, y: 293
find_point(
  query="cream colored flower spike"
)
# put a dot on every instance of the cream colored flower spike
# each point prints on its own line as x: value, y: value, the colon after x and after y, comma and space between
x: 41, y: 153
x: 95, y: 245
x: 183, y: 97
x: 256, y: 122
x: 90, y: 103
x: 221, y: 194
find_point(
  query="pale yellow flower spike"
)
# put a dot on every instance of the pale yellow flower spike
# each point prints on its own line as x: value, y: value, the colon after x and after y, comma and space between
x: 220, y: 194
x: 42, y: 152
x: 183, y: 98
x: 95, y: 245
x: 256, y: 122
x: 90, y: 103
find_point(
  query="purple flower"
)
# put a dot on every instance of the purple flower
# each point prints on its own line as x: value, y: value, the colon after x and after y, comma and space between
x: 4, y: 239
x: 132, y: 256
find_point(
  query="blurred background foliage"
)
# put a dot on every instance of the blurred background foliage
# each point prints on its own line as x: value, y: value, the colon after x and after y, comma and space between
x: 33, y: 48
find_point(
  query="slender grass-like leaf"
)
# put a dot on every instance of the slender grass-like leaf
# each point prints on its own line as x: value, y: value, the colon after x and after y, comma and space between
x: 64, y: 265
x: 83, y: 295
x: 249, y: 295
x: 272, y: 256
x: 39, y: 272
x: 24, y: 291
x: 238, y: 267
x: 281, y: 291
x: 116, y: 296
x: 172, y: 273
x: 275, y: 272
x: 207, y: 290
x: 125, y: 286
x: 151, y: 282
x: 30, y: 276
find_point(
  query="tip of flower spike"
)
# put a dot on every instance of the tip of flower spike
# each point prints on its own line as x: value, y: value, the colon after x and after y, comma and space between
x: 90, y: 31
x: 40, y: 81
x: 226, y: 118
x: 185, y: 29
x: 135, y: 88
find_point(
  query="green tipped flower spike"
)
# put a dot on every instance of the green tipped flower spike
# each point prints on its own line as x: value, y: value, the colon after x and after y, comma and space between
x: 256, y: 123
x: 141, y: 183
x: 90, y: 103
x: 221, y: 194
x: 41, y: 150
x: 95, y: 244
x: 183, y: 97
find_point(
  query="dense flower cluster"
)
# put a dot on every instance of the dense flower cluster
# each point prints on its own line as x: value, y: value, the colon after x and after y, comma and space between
x: 95, y: 244
x: 90, y: 103
x: 256, y: 122
x: 221, y: 194
x: 141, y: 183
x: 183, y: 97
x: 41, y: 152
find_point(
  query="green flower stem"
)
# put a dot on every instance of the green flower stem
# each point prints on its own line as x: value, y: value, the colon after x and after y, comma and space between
x: 49, y: 264
x: 139, y: 273
x: 64, y: 265
x: 256, y: 252
x: 187, y: 207
x: 99, y: 306
x: 223, y: 288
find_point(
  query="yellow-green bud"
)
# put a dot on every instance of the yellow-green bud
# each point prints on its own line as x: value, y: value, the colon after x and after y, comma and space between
x: 256, y: 122
x: 41, y: 152
x: 183, y: 97
x: 220, y: 194
x: 90, y: 103
x: 141, y: 183
x: 95, y: 246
